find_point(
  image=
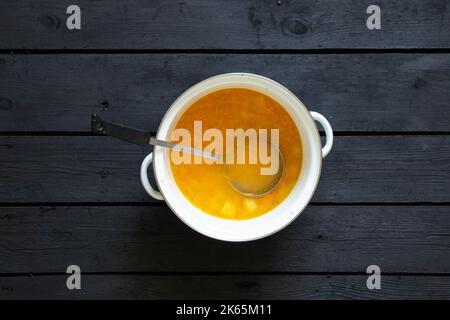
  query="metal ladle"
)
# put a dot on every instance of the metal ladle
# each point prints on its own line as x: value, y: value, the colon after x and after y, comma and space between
x: 237, y: 180
x: 252, y: 182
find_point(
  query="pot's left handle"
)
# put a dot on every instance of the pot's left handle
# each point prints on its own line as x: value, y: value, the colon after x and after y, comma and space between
x: 144, y: 178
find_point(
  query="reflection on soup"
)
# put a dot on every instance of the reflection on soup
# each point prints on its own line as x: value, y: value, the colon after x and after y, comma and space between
x: 207, y: 186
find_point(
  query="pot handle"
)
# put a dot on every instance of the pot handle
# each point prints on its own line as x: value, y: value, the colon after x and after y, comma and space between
x: 328, y: 132
x: 144, y: 178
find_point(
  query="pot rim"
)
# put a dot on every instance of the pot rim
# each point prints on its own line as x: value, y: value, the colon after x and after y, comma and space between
x: 158, y: 160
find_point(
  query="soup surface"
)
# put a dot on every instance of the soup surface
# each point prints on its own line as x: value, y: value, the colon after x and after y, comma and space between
x: 207, y: 186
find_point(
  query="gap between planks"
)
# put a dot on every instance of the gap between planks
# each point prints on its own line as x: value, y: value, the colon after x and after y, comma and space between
x: 163, y: 204
x: 219, y: 273
x: 229, y: 51
x: 335, y: 133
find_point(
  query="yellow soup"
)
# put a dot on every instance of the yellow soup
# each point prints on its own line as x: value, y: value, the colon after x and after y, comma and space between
x: 207, y: 186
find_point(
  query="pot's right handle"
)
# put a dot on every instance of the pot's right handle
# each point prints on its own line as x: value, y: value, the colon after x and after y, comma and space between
x: 328, y: 132
x: 144, y: 178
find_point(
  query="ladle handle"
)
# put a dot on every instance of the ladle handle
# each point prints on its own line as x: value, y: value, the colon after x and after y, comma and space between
x: 328, y: 132
x: 140, y: 137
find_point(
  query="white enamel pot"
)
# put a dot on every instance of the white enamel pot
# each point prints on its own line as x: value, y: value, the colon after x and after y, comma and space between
x: 279, y: 217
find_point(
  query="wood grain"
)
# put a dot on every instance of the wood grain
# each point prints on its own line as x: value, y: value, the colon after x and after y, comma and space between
x: 67, y: 197
x: 400, y: 239
x: 356, y: 92
x: 382, y: 169
x: 225, y: 24
x: 225, y: 287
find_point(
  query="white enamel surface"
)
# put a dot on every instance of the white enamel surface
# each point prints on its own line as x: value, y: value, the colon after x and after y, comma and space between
x: 328, y: 132
x: 279, y: 217
x: 144, y: 178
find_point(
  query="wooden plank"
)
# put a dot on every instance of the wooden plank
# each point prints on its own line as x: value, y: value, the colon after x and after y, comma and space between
x: 225, y: 287
x: 225, y: 24
x: 399, y: 239
x: 356, y: 92
x: 101, y: 169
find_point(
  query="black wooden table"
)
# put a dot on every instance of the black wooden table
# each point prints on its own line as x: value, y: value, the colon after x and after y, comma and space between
x: 69, y: 197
